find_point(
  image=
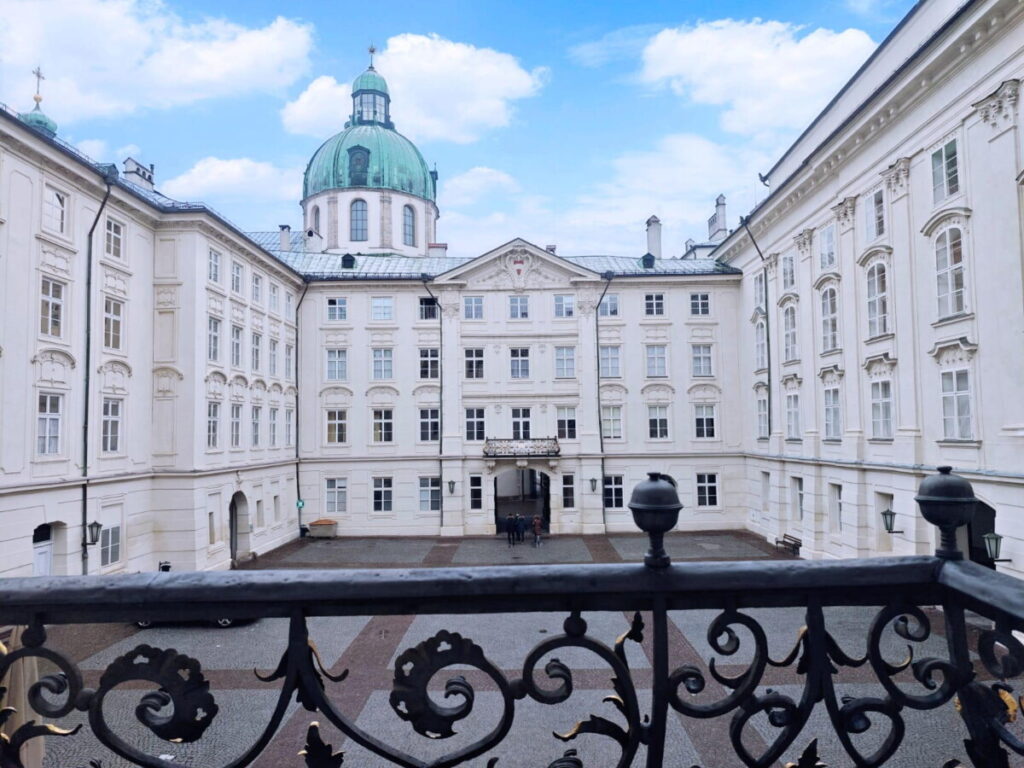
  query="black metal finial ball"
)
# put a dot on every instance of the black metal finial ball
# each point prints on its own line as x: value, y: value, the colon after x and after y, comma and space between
x: 655, y: 506
x: 947, y: 501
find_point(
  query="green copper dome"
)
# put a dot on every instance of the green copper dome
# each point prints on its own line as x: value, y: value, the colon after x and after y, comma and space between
x: 36, y: 119
x: 370, y: 81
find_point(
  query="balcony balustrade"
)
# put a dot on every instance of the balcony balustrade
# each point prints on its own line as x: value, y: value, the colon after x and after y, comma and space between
x: 536, y: 446
x: 902, y: 590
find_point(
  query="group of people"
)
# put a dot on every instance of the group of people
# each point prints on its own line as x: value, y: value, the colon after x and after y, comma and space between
x: 515, y: 529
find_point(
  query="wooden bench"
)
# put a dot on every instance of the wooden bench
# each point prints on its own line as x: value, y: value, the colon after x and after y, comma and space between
x: 792, y: 543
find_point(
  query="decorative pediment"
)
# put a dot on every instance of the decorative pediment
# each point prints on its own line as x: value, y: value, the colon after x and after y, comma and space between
x: 830, y: 374
x: 215, y: 384
x: 215, y: 304
x: 427, y: 391
x: 760, y: 387
x: 53, y: 260
x: 276, y: 389
x: 999, y: 108
x: 791, y: 381
x: 827, y: 278
x: 658, y: 392
x: 610, y: 335
x: 757, y: 315
x: 166, y: 295
x: 789, y: 298
x: 613, y: 393
x: 336, y: 338
x: 290, y: 392
x: 897, y: 177
x: 517, y: 265
x: 53, y: 366
x: 953, y: 351
x: 165, y: 380
x: 844, y: 213
x: 114, y: 375
x: 115, y: 283
x: 880, y: 366
x: 239, y: 387
x: 382, y: 393
x: 237, y: 313
x: 881, y: 253
x: 956, y: 216
x: 259, y: 385
x: 336, y: 395
x: 704, y: 392
x: 803, y: 241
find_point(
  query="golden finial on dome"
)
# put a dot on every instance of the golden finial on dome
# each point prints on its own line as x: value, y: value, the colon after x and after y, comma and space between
x: 38, y: 72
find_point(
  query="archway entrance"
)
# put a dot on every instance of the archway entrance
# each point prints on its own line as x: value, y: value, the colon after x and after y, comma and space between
x: 238, y: 527
x: 42, y: 550
x: 984, y: 522
x: 526, y: 492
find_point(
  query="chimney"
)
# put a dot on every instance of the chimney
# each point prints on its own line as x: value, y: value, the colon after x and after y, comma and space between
x: 437, y: 249
x: 552, y: 249
x: 716, y: 224
x: 285, y: 243
x: 138, y: 174
x: 654, y: 236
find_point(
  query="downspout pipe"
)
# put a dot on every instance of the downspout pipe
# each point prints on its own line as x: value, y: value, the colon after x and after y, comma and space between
x: 109, y: 177
x: 425, y: 278
x: 607, y: 276
x: 767, y: 323
x: 298, y: 347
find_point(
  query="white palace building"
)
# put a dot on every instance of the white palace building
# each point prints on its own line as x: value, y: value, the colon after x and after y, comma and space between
x: 185, y: 392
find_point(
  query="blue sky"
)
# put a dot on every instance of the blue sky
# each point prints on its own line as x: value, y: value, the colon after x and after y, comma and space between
x: 544, y: 122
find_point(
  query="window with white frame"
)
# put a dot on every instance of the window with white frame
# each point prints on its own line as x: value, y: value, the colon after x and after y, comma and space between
x: 565, y: 362
x: 272, y: 416
x: 657, y: 361
x: 113, y: 241
x: 760, y: 346
x: 949, y: 272
x: 55, y: 210
x: 520, y: 423
x: 475, y: 424
x: 796, y: 497
x: 383, y: 425
x: 382, y: 308
x: 520, y: 362
x: 337, y: 364
x: 430, y: 363
x: 707, y: 489
x: 337, y: 426
x: 874, y: 214
x: 788, y: 271
x: 761, y: 405
x: 212, y: 339
x: 704, y: 420
x: 701, y: 357
x: 288, y: 300
x: 759, y: 290
x: 213, y: 267
x: 257, y: 288
x: 700, y: 304
x: 430, y: 425
x: 110, y: 545
x: 383, y: 363
x: 565, y: 305
x: 568, y: 491
x: 236, y: 277
x: 613, y: 498
x: 827, y: 247
x: 110, y: 428
x: 336, y: 495
x: 476, y: 492
x: 608, y: 365
x: 945, y: 172
x: 430, y: 494
x: 408, y: 225
x: 829, y: 320
x: 274, y: 294
x: 113, y: 315
x: 257, y: 351
x: 956, y: 405
x: 835, y: 507
x: 48, y: 424
x: 473, y: 307
x: 289, y: 427
x: 611, y: 422
x: 609, y: 306
x: 881, y: 410
x: 878, y: 301
x: 257, y: 425
x: 236, y: 425
x: 428, y: 308
x: 236, y: 346
x: 654, y: 304
x: 793, y: 416
x: 289, y: 356
x: 358, y: 221
x: 51, y: 313
x: 337, y: 308
x: 261, y: 520
x: 657, y: 422
x: 833, y: 414
x: 382, y: 494
x: 272, y: 357
x: 565, y: 422
x: 790, y: 352
x: 212, y: 425
x: 518, y: 307
x: 475, y: 363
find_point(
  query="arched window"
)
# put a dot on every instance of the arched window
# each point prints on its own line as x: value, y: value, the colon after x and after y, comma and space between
x: 789, y: 333
x: 316, y: 218
x: 760, y: 346
x: 878, y: 302
x: 829, y: 320
x: 949, y: 271
x: 408, y: 225
x: 358, y: 221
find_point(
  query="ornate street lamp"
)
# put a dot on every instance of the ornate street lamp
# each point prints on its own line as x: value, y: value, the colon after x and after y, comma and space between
x: 94, y: 531
x: 993, y: 547
x: 889, y: 521
x: 947, y: 502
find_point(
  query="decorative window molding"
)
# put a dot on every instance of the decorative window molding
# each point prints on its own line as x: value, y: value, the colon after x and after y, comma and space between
x: 116, y: 373
x: 660, y: 393
x: 760, y: 387
x: 216, y: 382
x: 771, y: 263
x: 953, y: 351
x: 999, y: 108
x: 613, y: 394
x: 803, y: 242
x: 791, y: 382
x: 759, y: 314
x: 880, y: 366
x: 897, y: 178
x: 789, y: 297
x: 704, y: 392
x: 881, y: 253
x: 239, y: 386
x: 844, y: 213
x: 164, y: 380
x: 52, y: 367
x: 956, y: 216
x: 828, y: 278
x: 381, y: 393
x: 831, y: 374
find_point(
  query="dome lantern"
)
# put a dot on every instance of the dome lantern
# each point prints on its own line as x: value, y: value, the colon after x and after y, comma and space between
x: 371, y: 102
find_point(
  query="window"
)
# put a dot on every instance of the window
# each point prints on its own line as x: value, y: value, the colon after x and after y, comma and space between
x: 566, y: 422
x: 316, y: 218
x: 881, y: 410
x: 827, y: 247
x: 211, y: 523
x: 520, y: 359
x: 48, y: 425
x: 289, y: 421
x: 212, y: 339
x: 275, y: 297
x: 113, y: 312
x: 55, y: 210
x: 110, y: 545
x: 257, y: 351
x: 288, y: 306
x: 337, y: 426
x: 835, y: 507
x: 701, y: 359
x: 700, y: 304
x: 382, y: 308
x: 337, y: 308
x: 568, y: 491
x: 518, y: 307
x: 565, y: 306
x: 878, y: 304
x: 430, y: 425
x: 236, y: 346
x: 657, y: 422
x: 565, y: 362
x: 875, y: 215
x: 760, y: 300
x: 657, y: 360
x: 257, y: 427
x: 236, y: 425
x: 793, y: 417
x: 337, y: 364
x: 257, y: 288
x: 608, y: 365
x: 213, y: 425
x: 766, y: 491
x: 428, y: 308
x: 475, y: 363
x: 272, y: 356
x: 473, y: 307
x: 430, y: 363
x: 520, y: 423
x: 474, y: 423
x: 611, y: 422
x: 789, y: 347
x: 945, y: 174
x: 382, y: 363
x: 956, y: 405
x: 760, y: 346
x: 796, y: 492
x: 430, y: 494
x: 707, y: 490
x: 609, y: 306
x: 408, y: 225
x: 704, y: 421
x: 949, y: 272
x: 833, y: 422
x: 213, y: 267
x: 236, y: 277
x: 110, y: 437
x: 51, y: 314
x: 357, y: 227
x: 654, y: 304
x: 829, y: 320
x: 114, y: 241
x: 476, y: 492
x: 788, y: 271
x: 277, y: 508
x: 272, y: 419
x: 336, y: 494
x: 613, y: 491
x: 382, y: 490
x: 762, y: 416
x: 289, y: 354
x: 383, y: 425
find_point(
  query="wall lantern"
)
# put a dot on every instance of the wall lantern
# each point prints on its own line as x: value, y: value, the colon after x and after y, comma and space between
x: 889, y: 521
x: 593, y: 484
x: 451, y: 486
x: 94, y: 531
x: 993, y: 547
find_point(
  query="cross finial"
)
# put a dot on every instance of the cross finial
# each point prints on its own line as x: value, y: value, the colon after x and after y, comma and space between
x: 372, y: 50
x: 38, y: 72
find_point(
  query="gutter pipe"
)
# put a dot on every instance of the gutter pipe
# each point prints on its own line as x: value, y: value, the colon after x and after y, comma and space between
x: 298, y: 347
x: 425, y: 278
x: 767, y: 324
x: 597, y: 349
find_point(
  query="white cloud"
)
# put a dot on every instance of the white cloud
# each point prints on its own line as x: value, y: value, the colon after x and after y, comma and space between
x: 239, y: 179
x: 98, y: 149
x: 440, y: 90
x: 874, y: 9
x: 113, y: 57
x: 770, y: 79
x: 476, y: 185
x: 624, y: 43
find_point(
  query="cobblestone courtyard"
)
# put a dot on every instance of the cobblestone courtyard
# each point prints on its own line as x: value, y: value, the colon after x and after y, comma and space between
x: 367, y: 648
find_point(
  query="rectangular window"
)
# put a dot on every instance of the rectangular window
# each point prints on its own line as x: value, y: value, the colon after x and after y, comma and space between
x: 430, y: 494
x: 762, y: 417
x: 654, y: 304
x: 288, y: 306
x: 827, y: 247
x: 565, y: 362
x: 275, y: 297
x: 707, y: 490
x: 565, y: 305
x: 700, y: 304
x: 336, y: 494
x: 568, y: 491
x: 110, y: 545
x: 257, y: 288
x: 701, y: 359
x: 213, y: 267
x: 704, y: 421
x: 48, y: 425
x: 289, y: 356
x: 829, y: 320
x: 474, y: 423
x: 613, y: 491
x: 520, y: 423
x: 212, y: 339
x: 261, y: 521
x: 213, y: 425
x: 430, y: 363
x: 51, y: 314
x: 272, y: 420
x: 289, y: 430
x: 272, y: 357
x: 657, y: 422
x: 337, y: 308
x: 382, y: 308
x: 382, y: 490
x: 114, y: 241
x: 277, y: 508
x: 383, y: 359
x: 428, y: 308
x: 337, y: 426
x: 236, y: 346
x: 766, y: 490
x: 473, y: 307
x: 383, y: 425
x: 875, y: 215
x: 55, y: 210
x: 833, y: 424
x: 657, y: 360
x: 520, y: 362
x: 788, y: 271
x: 793, y: 417
x: 609, y: 306
x: 475, y: 363
x: 257, y: 426
x: 608, y: 366
x: 476, y: 492
x: 760, y: 301
x: 796, y: 497
x: 518, y: 307
x: 430, y: 425
x: 835, y: 507
x: 337, y: 364
x: 611, y: 422
x: 945, y: 173
x: 956, y: 405
x: 236, y: 425
x: 881, y: 410
x: 566, y: 422
x: 236, y: 277
x: 949, y: 272
x: 110, y: 438
x: 113, y: 314
x: 257, y: 351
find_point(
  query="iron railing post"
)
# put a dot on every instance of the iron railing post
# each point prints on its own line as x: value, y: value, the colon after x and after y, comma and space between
x: 659, y: 687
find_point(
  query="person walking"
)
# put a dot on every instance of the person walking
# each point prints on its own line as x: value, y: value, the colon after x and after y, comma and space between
x: 538, y: 527
x: 510, y: 530
x: 520, y: 528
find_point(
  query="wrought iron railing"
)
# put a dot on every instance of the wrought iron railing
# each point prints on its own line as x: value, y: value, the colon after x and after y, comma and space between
x: 182, y: 705
x: 536, y: 446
